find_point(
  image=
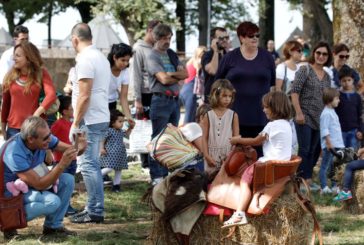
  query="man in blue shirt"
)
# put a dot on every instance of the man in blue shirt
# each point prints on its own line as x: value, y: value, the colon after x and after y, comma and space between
x: 22, y: 154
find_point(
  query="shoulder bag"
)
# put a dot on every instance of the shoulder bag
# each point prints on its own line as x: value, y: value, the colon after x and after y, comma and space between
x: 12, y: 212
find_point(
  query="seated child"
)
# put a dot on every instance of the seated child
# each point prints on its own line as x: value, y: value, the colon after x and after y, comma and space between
x: 276, y: 139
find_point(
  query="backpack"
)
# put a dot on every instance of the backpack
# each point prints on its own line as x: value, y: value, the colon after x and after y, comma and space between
x: 171, y: 149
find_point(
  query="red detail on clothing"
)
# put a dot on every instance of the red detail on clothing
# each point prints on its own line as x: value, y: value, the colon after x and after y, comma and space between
x: 191, y: 70
x: 61, y: 129
x: 17, y: 105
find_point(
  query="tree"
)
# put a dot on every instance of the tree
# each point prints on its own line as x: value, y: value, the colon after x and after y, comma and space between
x: 266, y: 21
x: 181, y: 36
x: 349, y: 29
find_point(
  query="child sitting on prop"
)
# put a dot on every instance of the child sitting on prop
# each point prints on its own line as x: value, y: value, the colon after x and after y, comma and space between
x: 276, y: 139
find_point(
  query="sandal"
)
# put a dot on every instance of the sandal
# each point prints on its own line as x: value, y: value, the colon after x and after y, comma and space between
x: 238, y: 218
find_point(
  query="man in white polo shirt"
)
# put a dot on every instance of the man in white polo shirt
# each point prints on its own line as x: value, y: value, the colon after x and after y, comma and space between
x: 90, y: 104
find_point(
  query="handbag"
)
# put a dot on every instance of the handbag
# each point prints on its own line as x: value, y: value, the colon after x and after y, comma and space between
x: 239, y: 159
x: 12, y: 212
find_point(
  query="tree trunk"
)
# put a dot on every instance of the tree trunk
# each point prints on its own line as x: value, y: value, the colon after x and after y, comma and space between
x: 349, y: 29
x: 266, y: 21
x: 316, y: 22
x: 204, y: 10
x: 181, y: 13
x: 84, y: 8
x: 50, y: 13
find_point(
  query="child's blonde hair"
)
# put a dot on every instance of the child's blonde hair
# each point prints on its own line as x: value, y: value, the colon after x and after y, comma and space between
x: 278, y: 103
x: 217, y: 87
x: 201, y: 111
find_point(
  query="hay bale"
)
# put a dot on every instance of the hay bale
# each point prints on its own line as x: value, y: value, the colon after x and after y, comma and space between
x: 286, y: 223
x: 356, y: 204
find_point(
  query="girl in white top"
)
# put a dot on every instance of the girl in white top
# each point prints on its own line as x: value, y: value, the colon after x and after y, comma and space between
x: 219, y: 124
x: 286, y: 70
x: 119, y: 57
x: 276, y: 138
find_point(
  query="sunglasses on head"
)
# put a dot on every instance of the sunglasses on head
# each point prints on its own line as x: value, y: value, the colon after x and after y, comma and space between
x: 321, y: 53
x: 341, y: 56
x: 257, y: 35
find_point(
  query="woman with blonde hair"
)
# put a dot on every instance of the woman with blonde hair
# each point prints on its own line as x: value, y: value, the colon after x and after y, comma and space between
x: 187, y: 97
x: 22, y: 87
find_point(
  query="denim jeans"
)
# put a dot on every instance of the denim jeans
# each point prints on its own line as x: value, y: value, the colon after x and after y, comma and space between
x: 308, y: 140
x: 52, y: 205
x: 350, y: 169
x: 91, y: 171
x: 349, y: 138
x: 189, y: 100
x: 10, y: 132
x: 162, y: 111
x: 326, y: 165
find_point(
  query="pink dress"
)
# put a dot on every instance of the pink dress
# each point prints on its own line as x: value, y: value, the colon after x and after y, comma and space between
x: 220, y: 132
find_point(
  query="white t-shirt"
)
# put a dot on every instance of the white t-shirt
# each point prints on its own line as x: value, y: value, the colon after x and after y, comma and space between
x: 6, y: 62
x: 92, y: 64
x: 280, y: 70
x: 278, y: 145
x: 116, y: 83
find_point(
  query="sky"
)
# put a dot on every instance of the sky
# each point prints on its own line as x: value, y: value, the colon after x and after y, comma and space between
x: 285, y: 22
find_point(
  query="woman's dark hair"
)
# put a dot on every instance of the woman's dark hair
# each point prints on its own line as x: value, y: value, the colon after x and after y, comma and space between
x: 278, y: 103
x: 329, y: 94
x: 64, y: 103
x: 246, y: 28
x: 329, y: 53
x: 340, y: 47
x: 114, y: 114
x: 119, y: 50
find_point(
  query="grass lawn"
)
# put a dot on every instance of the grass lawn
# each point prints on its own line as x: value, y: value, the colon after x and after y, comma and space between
x: 128, y: 219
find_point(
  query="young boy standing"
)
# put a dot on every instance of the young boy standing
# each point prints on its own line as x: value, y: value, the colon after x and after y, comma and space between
x: 330, y: 135
x: 349, y: 109
x: 61, y: 129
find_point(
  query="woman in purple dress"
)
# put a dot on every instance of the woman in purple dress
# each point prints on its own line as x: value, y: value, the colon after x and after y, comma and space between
x: 251, y: 70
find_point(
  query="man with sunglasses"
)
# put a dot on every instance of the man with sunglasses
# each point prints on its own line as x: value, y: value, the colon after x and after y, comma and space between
x: 21, y: 33
x: 210, y: 60
x: 22, y: 154
x: 341, y: 55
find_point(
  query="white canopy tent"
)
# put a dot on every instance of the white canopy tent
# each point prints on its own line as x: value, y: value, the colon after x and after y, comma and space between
x: 5, y: 37
x: 103, y: 35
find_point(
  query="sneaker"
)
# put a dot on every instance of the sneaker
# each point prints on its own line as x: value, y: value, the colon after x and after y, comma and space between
x: 314, y: 187
x: 47, y: 231
x: 326, y: 190
x: 335, y: 189
x: 343, y: 195
x: 87, y: 218
x: 107, y: 180
x: 10, y: 234
x: 71, y: 211
x: 115, y: 188
x: 156, y: 181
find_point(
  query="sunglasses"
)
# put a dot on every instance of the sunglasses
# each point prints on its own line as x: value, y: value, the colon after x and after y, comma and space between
x: 321, y: 53
x: 254, y: 35
x: 47, y: 137
x: 341, y: 56
x: 297, y: 50
x: 224, y: 37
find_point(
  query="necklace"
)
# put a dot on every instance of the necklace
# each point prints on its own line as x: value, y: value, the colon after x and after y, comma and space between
x: 249, y: 57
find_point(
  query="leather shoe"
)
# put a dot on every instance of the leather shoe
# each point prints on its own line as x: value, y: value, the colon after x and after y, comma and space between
x: 58, y: 231
x: 10, y: 234
x: 86, y: 218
